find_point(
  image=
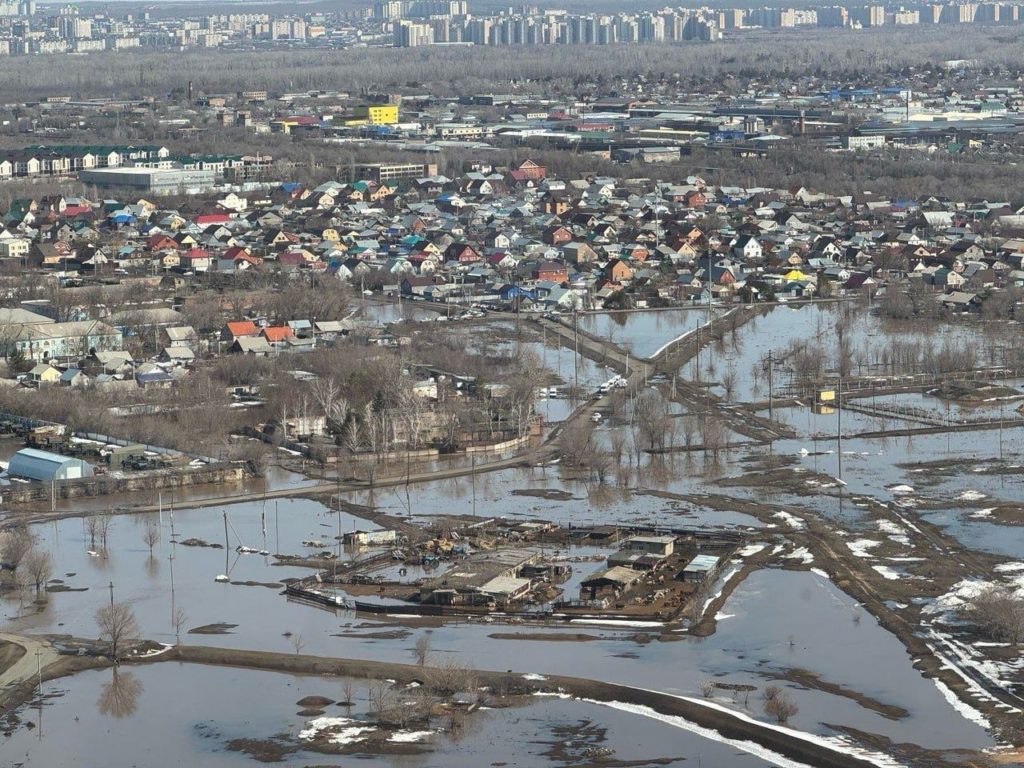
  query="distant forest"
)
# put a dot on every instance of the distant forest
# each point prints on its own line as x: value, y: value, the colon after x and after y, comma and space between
x: 550, y: 70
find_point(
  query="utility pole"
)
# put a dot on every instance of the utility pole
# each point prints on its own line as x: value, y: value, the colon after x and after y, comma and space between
x: 771, y: 413
x: 576, y: 348
x: 839, y: 427
x: 111, y: 594
x: 473, y: 477
x: 1000, y: 433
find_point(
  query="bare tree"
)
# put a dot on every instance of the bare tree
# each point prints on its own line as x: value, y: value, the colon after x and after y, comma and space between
x: 39, y: 566
x: 451, y: 678
x: 117, y: 624
x: 105, y: 521
x: 714, y: 435
x: 999, y: 612
x: 651, y: 415
x: 729, y: 381
x: 151, y: 536
x: 15, y: 544
x: 92, y: 527
x: 421, y: 650
x: 778, y: 704
x: 298, y: 643
x: 179, y: 619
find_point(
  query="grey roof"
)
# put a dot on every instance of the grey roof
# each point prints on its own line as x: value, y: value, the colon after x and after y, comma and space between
x: 43, y: 465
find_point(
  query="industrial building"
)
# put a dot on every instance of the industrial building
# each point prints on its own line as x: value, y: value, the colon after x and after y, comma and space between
x: 46, y: 467
x: 155, y: 180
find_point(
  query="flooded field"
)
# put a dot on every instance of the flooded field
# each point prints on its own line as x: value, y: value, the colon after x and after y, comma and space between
x: 92, y: 716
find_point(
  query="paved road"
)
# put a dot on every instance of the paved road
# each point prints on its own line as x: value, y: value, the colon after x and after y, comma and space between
x: 27, y: 667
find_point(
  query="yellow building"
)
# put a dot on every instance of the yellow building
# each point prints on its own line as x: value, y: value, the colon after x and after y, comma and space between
x: 374, y: 114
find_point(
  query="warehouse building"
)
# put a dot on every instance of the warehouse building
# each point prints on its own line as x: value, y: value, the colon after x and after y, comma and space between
x: 156, y: 180
x: 46, y: 467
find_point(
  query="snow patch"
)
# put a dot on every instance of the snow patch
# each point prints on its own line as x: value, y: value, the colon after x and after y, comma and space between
x: 803, y: 554
x: 971, y: 496
x: 834, y: 743
x: 750, y: 747
x: 1009, y: 567
x: 860, y: 547
x: 794, y: 522
x: 340, y: 730
x: 750, y: 550
x: 408, y: 737
x: 965, y: 710
x: 887, y: 572
x: 901, y: 489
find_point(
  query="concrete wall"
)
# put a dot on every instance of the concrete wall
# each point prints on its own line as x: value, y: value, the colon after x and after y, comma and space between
x: 103, y: 485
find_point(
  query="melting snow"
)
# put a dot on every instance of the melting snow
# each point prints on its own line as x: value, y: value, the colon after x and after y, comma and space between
x: 971, y: 496
x: 802, y: 553
x: 860, y: 547
x: 407, y: 737
x: 888, y: 572
x: 750, y: 550
x: 794, y: 522
x: 342, y: 730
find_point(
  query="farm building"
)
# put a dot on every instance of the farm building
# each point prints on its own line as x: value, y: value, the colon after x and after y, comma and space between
x: 482, y: 578
x: 44, y: 466
x: 700, y: 568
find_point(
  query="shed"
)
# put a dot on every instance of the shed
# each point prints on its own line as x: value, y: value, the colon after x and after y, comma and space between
x: 700, y: 568
x: 44, y: 466
x: 615, y: 580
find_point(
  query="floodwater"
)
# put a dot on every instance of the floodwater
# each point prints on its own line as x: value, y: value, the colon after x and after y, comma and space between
x: 406, y: 311
x: 746, y: 351
x: 774, y: 622
x: 96, y: 715
x: 643, y: 333
x: 763, y: 615
x: 540, y: 492
x: 155, y: 585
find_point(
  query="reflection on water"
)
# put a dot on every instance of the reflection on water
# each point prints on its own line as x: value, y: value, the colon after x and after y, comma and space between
x: 120, y: 696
